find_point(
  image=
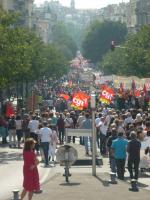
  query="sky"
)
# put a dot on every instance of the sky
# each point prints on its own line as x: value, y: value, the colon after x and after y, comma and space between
x: 86, y: 3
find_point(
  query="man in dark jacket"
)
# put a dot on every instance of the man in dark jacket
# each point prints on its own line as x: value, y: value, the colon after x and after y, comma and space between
x: 61, y: 128
x: 111, y: 156
x: 133, y: 150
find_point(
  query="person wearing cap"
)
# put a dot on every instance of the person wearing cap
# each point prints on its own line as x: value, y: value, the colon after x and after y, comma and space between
x: 45, y: 135
x: 133, y: 150
x: 118, y: 149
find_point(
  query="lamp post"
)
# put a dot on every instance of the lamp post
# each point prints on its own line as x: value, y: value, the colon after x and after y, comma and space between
x: 93, y: 106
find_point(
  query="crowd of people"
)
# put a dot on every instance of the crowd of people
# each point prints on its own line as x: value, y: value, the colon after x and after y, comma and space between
x: 119, y: 132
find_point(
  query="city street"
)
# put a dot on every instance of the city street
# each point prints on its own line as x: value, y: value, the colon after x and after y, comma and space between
x: 11, y: 164
x: 75, y: 99
x: 50, y: 178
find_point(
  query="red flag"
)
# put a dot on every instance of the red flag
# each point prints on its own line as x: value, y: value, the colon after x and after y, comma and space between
x: 144, y: 89
x: 65, y: 96
x: 133, y: 86
x: 137, y: 93
x: 107, y: 95
x: 80, y: 100
x: 103, y: 86
x: 9, y: 110
x: 121, y: 88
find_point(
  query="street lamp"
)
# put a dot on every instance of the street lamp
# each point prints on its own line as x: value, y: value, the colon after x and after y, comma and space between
x: 93, y: 106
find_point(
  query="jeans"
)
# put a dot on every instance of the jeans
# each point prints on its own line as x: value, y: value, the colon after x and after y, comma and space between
x: 113, y: 165
x: 120, y: 163
x: 12, y: 133
x: 81, y: 140
x: 19, y: 136
x: 45, y: 147
x: 103, y: 139
x: 86, y: 140
x: 133, y: 164
x: 98, y: 137
x: 61, y: 135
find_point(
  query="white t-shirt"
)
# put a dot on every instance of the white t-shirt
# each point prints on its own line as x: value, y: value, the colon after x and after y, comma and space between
x: 45, y: 134
x: 97, y: 122
x: 80, y: 120
x: 18, y: 124
x: 33, y: 126
x: 68, y: 122
x: 103, y: 128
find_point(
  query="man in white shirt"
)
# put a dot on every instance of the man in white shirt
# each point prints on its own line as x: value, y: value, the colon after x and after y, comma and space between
x: 45, y: 135
x: 33, y: 126
x: 103, y: 133
x: 68, y: 124
x: 97, y: 123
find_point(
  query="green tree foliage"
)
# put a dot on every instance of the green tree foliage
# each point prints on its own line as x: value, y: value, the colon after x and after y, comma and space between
x: 62, y: 39
x: 99, y: 36
x: 23, y: 56
x: 114, y: 62
x: 138, y: 53
x: 76, y: 31
x: 132, y: 59
x: 54, y: 63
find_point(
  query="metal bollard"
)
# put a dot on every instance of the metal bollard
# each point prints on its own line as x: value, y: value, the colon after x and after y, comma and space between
x: 16, y: 194
x: 134, y: 187
x: 113, y: 178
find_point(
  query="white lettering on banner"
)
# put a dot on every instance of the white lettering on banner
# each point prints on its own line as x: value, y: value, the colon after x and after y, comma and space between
x: 79, y: 102
x: 107, y: 95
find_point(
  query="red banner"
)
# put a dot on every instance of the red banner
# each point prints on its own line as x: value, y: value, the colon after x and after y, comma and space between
x: 9, y: 110
x: 80, y: 101
x: 65, y: 96
x: 107, y: 95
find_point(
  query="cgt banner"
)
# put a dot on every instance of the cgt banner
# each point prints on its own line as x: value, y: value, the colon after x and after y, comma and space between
x: 107, y: 95
x: 80, y: 101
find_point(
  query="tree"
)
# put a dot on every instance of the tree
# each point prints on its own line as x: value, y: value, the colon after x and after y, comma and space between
x: 114, y: 62
x: 138, y: 53
x: 76, y: 31
x: 24, y: 57
x: 62, y: 39
x: 55, y: 64
x: 99, y: 36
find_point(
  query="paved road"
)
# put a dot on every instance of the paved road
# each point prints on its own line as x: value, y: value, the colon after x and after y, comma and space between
x: 86, y: 187
x: 11, y: 171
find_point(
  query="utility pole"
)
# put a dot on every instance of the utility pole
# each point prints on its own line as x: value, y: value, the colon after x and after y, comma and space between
x: 93, y: 106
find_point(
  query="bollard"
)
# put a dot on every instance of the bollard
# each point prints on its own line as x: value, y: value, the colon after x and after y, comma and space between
x: 134, y: 187
x: 113, y: 178
x: 16, y: 194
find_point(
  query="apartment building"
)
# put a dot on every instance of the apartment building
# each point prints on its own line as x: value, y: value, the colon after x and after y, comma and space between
x: 25, y: 7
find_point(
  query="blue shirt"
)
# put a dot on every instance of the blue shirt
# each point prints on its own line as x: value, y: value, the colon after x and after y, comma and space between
x: 119, y: 145
x: 86, y: 124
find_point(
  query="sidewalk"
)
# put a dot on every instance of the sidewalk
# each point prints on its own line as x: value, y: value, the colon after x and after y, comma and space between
x: 11, y: 168
x: 87, y: 187
x: 83, y: 186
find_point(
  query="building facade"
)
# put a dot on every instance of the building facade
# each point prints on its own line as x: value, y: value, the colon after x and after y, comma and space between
x: 143, y: 13
x: 25, y: 7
